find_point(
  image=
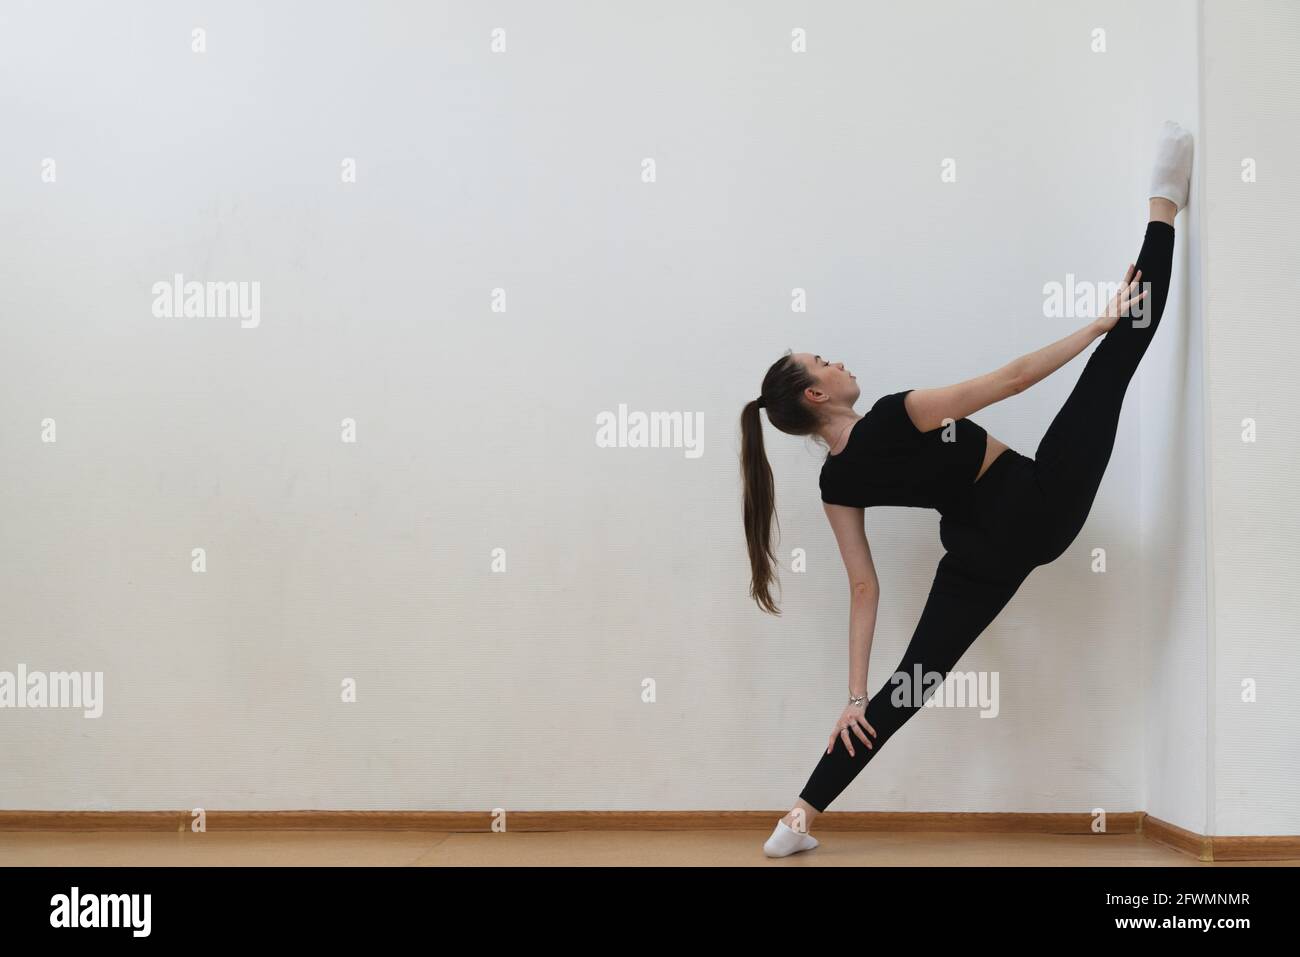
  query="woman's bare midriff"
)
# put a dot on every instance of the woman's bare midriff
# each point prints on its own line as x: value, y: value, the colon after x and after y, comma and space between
x: 992, y: 449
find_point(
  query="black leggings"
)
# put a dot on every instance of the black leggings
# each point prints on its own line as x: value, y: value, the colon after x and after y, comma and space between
x: 1020, y: 514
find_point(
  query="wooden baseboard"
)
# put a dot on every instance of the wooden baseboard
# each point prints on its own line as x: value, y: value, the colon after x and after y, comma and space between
x: 1000, y: 823
x: 1273, y: 847
x: 1180, y: 839
x: 559, y: 821
x: 1200, y: 846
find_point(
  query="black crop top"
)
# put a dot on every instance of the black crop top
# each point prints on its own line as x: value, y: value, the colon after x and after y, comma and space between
x: 889, y: 461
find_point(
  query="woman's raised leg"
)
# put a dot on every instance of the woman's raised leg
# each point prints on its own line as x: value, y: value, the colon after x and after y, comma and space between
x: 1074, y: 452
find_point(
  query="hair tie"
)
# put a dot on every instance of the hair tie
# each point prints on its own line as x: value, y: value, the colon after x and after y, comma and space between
x: 762, y: 403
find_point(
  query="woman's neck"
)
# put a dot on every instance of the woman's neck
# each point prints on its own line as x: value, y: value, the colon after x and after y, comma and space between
x: 836, y: 430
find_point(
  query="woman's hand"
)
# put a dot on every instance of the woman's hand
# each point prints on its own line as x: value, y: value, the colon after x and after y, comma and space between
x: 853, y: 718
x: 1124, y: 300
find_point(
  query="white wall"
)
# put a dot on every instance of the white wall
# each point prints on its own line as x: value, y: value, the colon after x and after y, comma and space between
x: 1171, y: 575
x: 1252, y: 112
x: 476, y: 429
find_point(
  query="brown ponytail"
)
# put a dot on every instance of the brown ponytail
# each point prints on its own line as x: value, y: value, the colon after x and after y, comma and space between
x: 782, y: 396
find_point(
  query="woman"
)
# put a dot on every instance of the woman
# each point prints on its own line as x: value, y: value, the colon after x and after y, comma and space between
x: 1003, y: 514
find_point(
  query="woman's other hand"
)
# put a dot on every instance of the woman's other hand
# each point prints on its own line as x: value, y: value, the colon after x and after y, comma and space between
x: 853, y: 719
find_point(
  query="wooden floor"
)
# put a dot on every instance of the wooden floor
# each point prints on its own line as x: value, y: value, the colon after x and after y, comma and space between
x: 583, y: 848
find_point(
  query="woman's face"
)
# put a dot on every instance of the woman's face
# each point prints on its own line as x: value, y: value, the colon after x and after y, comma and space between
x: 835, y: 381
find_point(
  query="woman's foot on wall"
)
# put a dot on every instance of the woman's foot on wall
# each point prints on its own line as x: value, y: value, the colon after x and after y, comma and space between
x: 1172, y: 177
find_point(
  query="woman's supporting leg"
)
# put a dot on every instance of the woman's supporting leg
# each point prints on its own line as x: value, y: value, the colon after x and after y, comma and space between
x: 1074, y: 452
x: 957, y: 610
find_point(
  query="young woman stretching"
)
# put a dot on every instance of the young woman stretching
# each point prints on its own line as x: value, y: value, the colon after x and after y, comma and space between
x: 1002, y: 514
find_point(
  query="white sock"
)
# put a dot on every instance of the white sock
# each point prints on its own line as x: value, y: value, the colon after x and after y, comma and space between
x: 1172, y: 176
x: 785, y: 841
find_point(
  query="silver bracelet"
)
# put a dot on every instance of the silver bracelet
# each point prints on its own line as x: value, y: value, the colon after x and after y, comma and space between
x: 859, y: 700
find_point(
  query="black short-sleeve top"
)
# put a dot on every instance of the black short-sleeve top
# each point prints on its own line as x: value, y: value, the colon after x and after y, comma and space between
x: 889, y: 461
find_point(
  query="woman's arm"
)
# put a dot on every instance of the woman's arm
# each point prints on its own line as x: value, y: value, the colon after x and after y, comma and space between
x: 862, y: 627
x: 1037, y: 366
x: 1033, y: 367
x: 864, y: 589
x: 931, y: 408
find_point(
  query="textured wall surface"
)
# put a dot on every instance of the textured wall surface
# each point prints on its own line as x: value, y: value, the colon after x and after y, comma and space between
x: 521, y: 685
x: 1252, y: 148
